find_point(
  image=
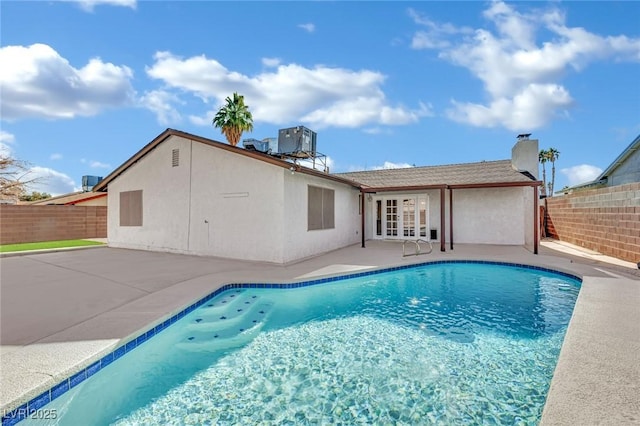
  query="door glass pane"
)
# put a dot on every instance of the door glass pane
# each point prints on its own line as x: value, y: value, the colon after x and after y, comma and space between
x: 409, y: 217
x: 392, y: 218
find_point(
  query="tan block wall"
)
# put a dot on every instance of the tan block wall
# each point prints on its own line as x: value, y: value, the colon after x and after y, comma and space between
x: 606, y: 220
x: 27, y: 224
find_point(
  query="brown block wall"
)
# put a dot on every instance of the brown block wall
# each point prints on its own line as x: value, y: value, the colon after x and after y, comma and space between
x: 606, y: 220
x: 28, y: 224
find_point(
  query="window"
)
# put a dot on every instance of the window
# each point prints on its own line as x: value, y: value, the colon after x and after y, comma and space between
x: 175, y: 158
x: 320, y: 208
x: 131, y: 208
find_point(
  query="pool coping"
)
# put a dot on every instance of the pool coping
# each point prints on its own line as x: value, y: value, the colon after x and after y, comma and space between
x: 23, y: 407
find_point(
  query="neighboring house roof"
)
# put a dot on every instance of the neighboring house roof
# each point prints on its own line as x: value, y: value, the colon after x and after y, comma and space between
x: 485, y: 173
x: 72, y: 198
x: 103, y: 185
x: 602, y: 179
x: 633, y: 146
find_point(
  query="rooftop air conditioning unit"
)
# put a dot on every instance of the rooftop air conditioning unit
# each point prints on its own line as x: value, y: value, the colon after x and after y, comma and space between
x: 297, y: 141
x: 255, y: 145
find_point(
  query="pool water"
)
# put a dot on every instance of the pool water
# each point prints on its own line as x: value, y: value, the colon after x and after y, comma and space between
x: 444, y: 343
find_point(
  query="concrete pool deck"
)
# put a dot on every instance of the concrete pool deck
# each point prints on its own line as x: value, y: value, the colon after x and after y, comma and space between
x: 61, y: 311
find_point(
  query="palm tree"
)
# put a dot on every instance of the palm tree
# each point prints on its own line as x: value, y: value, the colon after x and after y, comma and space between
x: 552, y: 155
x: 543, y: 156
x: 233, y: 119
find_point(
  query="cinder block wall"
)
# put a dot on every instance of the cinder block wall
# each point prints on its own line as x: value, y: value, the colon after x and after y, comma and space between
x: 28, y: 224
x: 606, y: 220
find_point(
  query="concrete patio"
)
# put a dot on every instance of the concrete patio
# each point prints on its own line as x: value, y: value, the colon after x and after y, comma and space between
x: 61, y: 311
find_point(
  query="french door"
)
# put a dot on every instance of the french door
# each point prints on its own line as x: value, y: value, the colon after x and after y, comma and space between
x: 401, y: 218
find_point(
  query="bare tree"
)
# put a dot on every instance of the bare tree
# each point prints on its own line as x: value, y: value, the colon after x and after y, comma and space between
x: 15, y: 176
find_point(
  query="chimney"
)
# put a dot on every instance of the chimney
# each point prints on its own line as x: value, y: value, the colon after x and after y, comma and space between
x: 524, y: 155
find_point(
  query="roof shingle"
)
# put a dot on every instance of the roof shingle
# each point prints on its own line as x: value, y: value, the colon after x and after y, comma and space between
x: 485, y: 172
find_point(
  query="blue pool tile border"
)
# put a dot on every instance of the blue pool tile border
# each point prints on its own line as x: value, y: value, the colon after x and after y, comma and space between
x: 20, y: 413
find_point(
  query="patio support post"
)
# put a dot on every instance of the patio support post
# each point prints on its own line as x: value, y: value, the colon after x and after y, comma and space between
x: 442, y: 224
x: 451, y: 217
x: 536, y: 220
x: 362, y: 204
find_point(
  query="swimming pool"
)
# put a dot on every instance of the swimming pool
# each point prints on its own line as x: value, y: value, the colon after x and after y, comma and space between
x: 453, y: 343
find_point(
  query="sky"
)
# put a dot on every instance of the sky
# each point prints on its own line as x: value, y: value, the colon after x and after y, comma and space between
x: 86, y: 84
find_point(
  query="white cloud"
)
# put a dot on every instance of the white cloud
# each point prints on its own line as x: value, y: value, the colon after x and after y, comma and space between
x: 435, y: 35
x: 55, y: 156
x: 391, y: 165
x: 385, y: 166
x: 581, y: 174
x: 48, y: 180
x: 363, y: 110
x: 319, y: 165
x: 161, y: 103
x: 320, y: 96
x: 271, y: 62
x: 201, y: 121
x: 89, y: 5
x: 37, y: 82
x: 95, y: 164
x: 6, y: 139
x: 532, y: 107
x: 51, y: 181
x: 99, y: 165
x: 520, y: 77
x: 308, y: 27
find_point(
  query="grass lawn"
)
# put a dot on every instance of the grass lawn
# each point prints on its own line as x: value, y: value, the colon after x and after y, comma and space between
x: 47, y: 245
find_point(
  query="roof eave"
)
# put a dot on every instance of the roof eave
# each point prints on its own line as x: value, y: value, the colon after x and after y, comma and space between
x: 533, y: 183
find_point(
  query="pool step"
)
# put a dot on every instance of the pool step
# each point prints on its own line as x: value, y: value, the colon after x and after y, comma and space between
x: 224, y: 339
x: 225, y: 325
x: 212, y: 321
x: 227, y: 300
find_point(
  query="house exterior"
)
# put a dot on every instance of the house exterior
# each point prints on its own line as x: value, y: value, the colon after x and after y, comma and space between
x: 187, y: 194
x: 624, y: 169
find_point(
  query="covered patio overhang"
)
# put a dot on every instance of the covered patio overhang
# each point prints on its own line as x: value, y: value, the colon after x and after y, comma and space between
x: 442, y: 187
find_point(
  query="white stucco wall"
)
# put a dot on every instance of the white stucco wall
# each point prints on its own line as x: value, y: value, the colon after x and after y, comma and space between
x: 299, y: 242
x: 237, y: 205
x: 165, y: 200
x: 218, y: 203
x: 490, y: 216
x: 531, y: 217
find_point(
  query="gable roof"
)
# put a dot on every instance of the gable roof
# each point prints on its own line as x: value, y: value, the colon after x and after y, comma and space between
x: 103, y: 185
x: 633, y: 146
x: 469, y: 175
x: 72, y: 198
x: 620, y: 159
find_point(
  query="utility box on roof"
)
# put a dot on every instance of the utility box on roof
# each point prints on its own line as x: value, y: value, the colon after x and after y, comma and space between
x: 297, y: 141
x: 88, y: 182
